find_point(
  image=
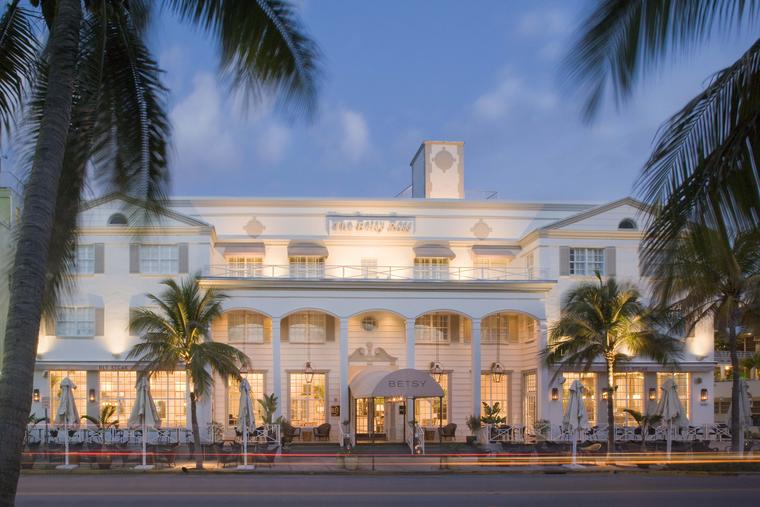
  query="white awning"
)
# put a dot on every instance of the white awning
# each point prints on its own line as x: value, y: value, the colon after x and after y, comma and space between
x: 245, y: 249
x: 503, y: 252
x: 432, y: 250
x: 405, y: 383
x: 306, y: 250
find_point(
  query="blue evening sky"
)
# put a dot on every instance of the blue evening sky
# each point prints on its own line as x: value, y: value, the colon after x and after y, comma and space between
x: 485, y: 72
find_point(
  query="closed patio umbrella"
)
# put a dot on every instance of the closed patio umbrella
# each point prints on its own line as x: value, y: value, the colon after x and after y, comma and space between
x: 671, y: 410
x: 576, y: 417
x: 144, y: 415
x: 245, y: 420
x: 745, y: 412
x: 67, y: 415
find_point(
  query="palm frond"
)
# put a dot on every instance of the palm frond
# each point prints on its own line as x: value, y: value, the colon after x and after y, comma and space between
x: 19, y: 53
x: 621, y: 41
x: 705, y: 164
x: 264, y: 47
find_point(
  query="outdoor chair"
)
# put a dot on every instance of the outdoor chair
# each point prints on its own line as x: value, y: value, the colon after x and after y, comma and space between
x: 322, y: 432
x: 265, y: 454
x: 289, y: 433
x: 448, y: 432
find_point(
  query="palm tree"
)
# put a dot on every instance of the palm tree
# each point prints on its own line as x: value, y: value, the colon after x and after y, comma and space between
x: 645, y: 421
x: 607, y: 320
x: 712, y: 273
x: 177, y: 333
x: 752, y: 363
x: 704, y: 166
x: 106, y: 419
x: 95, y: 115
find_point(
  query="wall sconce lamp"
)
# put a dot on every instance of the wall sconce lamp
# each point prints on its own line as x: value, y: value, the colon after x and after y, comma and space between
x: 652, y: 394
x: 555, y: 394
x: 605, y: 394
x: 36, y: 395
x: 703, y: 395
x: 91, y: 396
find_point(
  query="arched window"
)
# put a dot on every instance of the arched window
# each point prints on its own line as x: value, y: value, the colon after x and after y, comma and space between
x: 627, y: 223
x: 117, y: 219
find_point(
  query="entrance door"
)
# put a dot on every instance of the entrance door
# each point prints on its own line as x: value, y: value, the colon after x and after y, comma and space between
x: 370, y: 419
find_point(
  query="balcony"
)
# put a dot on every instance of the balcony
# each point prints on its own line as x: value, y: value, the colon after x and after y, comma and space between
x: 372, y: 273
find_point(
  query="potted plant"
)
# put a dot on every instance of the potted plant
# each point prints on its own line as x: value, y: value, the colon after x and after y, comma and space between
x: 106, y: 419
x: 474, y: 424
x: 542, y: 429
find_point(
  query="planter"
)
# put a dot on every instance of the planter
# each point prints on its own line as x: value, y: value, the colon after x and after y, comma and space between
x: 472, y: 439
x: 350, y: 462
x: 104, y: 461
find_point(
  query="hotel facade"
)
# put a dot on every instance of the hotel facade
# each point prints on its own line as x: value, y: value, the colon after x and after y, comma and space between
x: 326, y: 293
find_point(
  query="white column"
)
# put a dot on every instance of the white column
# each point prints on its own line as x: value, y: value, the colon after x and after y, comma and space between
x: 343, y: 354
x: 475, y: 366
x: 410, y: 343
x: 276, y: 368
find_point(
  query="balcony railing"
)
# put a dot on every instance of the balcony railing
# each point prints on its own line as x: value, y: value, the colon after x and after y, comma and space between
x: 372, y: 273
x: 723, y: 356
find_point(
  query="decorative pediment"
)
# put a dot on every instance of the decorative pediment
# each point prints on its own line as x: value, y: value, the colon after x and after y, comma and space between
x: 371, y: 355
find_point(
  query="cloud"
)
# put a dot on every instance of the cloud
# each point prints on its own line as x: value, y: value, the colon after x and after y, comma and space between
x: 550, y: 22
x: 512, y: 92
x: 203, y: 134
x: 272, y: 142
x: 355, y: 136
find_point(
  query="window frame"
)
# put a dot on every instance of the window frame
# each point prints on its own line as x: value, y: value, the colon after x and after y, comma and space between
x: 585, y: 264
x: 319, y: 378
x: 426, y: 409
x: 257, y: 380
x: 432, y: 333
x: 89, y: 261
x: 78, y: 322
x: 311, y: 327
x: 156, y: 264
x: 431, y: 268
x: 250, y: 333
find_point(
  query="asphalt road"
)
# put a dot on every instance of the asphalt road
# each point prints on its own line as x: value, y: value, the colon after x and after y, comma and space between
x: 382, y: 490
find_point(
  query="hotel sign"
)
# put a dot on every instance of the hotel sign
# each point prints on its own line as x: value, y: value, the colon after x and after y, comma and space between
x: 369, y: 225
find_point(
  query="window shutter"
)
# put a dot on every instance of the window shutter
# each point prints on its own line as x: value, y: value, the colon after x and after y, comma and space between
x: 99, y: 322
x: 330, y: 329
x: 454, y: 328
x: 132, y: 315
x: 49, y: 326
x: 100, y: 258
x: 134, y: 258
x: 564, y: 261
x: 284, y: 329
x: 609, y: 261
x: 182, y: 255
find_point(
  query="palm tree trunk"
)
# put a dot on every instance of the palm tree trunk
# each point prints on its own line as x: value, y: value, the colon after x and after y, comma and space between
x: 196, y: 433
x: 29, y: 271
x: 736, y: 424
x: 610, y: 408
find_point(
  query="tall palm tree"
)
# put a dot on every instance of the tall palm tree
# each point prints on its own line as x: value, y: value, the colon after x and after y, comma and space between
x: 177, y: 333
x: 95, y: 115
x: 711, y: 273
x: 704, y: 165
x: 607, y: 321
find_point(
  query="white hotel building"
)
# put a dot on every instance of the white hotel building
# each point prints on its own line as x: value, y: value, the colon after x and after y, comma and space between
x: 358, y: 285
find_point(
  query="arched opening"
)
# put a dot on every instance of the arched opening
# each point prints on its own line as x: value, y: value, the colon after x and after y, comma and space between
x: 505, y: 337
x: 627, y: 223
x: 117, y: 219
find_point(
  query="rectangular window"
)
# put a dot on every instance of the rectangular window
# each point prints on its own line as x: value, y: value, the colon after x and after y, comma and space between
x: 586, y: 261
x: 500, y: 327
x: 490, y: 268
x: 530, y: 399
x: 629, y: 393
x: 307, y: 267
x: 84, y: 260
x: 79, y: 379
x: 169, y: 390
x: 307, y: 400
x: 75, y: 321
x: 682, y: 387
x: 245, y: 267
x: 256, y: 381
x: 159, y: 259
x: 245, y: 327
x: 117, y: 389
x: 493, y: 392
x: 427, y: 411
x: 432, y: 328
x: 431, y: 268
x: 589, y: 393
x: 307, y: 327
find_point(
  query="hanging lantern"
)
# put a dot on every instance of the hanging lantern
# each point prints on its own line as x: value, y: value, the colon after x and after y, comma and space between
x: 308, y: 372
x: 497, y: 372
x: 436, y: 371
